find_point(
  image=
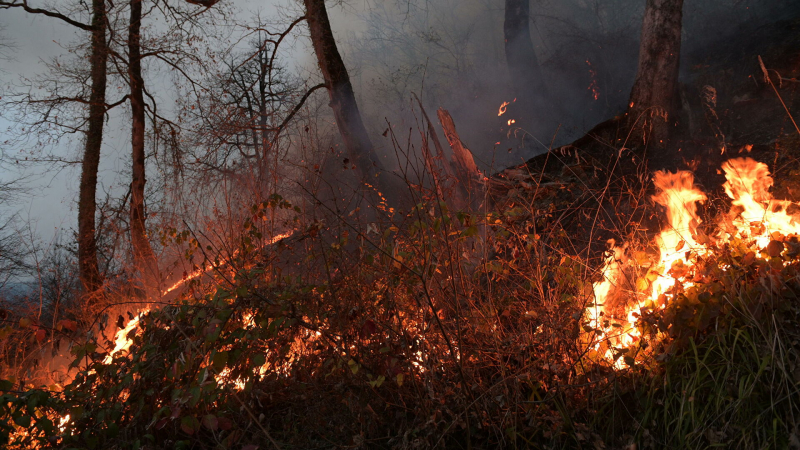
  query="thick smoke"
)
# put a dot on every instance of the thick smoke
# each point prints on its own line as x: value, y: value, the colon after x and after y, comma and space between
x: 450, y: 53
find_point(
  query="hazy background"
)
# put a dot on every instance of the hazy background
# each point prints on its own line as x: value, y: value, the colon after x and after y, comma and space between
x: 448, y: 52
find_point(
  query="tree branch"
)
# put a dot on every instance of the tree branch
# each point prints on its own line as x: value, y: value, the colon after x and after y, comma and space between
x: 295, y: 110
x: 57, y: 15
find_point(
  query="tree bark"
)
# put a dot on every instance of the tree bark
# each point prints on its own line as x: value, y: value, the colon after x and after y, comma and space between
x: 654, y: 97
x: 467, y: 173
x: 143, y: 255
x: 90, y: 276
x: 523, y: 65
x: 343, y: 100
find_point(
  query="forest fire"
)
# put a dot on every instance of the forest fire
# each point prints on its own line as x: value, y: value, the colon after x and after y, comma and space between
x: 633, y: 284
x: 123, y: 340
x: 524, y: 272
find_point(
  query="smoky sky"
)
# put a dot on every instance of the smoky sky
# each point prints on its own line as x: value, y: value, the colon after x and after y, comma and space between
x: 448, y: 52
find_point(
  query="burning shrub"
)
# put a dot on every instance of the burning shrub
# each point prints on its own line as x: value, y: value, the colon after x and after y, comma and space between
x: 443, y: 328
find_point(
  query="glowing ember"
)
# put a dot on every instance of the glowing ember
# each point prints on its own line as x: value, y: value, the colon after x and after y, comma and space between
x: 511, y: 122
x: 503, y: 108
x: 199, y: 272
x: 62, y: 423
x: 631, y: 282
x: 593, y: 86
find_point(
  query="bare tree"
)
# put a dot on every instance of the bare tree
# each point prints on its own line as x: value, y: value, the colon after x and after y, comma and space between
x: 249, y: 103
x: 90, y: 275
x: 87, y: 245
x: 143, y: 255
x: 14, y: 252
x: 7, y: 46
x: 343, y: 100
x: 653, y: 101
x: 523, y: 64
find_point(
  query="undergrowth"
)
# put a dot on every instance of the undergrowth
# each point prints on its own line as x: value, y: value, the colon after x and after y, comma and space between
x: 436, y: 329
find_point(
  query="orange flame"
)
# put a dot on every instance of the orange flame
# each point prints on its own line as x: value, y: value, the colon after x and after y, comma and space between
x: 611, y: 321
x: 121, y: 340
x: 614, y: 315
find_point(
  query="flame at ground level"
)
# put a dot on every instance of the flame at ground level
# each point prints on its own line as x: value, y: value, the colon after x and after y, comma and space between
x: 632, y: 283
x: 121, y: 340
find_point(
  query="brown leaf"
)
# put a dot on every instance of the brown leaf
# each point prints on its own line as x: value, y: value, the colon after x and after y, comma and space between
x: 224, y: 423
x: 774, y: 249
x: 748, y: 258
x: 369, y: 328
x: 70, y: 325
x: 41, y: 334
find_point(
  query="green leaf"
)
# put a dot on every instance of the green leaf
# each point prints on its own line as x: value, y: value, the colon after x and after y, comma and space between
x: 23, y: 420
x: 76, y: 412
x: 189, y: 424
x: 629, y: 360
x: 45, y: 425
x: 220, y: 360
x: 471, y: 231
x: 113, y: 429
x: 195, y: 391
x: 274, y: 326
x: 259, y: 360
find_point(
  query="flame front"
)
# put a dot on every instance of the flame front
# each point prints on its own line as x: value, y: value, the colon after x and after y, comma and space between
x: 755, y: 214
x: 123, y: 341
x: 676, y: 243
x: 632, y: 282
x: 620, y: 296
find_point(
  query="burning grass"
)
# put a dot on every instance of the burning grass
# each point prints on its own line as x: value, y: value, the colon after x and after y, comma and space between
x: 443, y: 328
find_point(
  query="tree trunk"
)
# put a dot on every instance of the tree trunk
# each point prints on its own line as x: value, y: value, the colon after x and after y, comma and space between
x: 343, y: 100
x: 523, y: 65
x: 654, y: 97
x: 90, y: 275
x: 143, y: 256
